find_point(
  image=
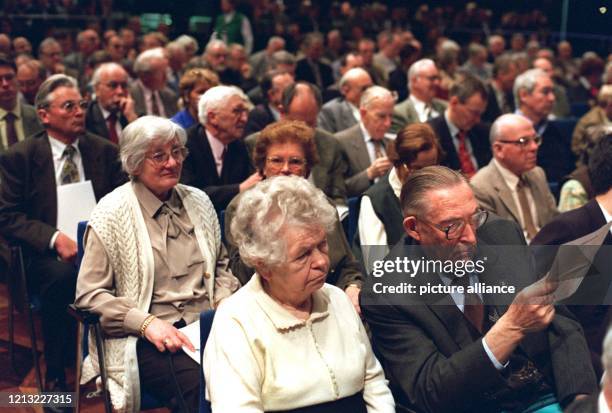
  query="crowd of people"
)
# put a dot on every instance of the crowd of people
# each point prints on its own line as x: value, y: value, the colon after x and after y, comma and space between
x: 445, y: 143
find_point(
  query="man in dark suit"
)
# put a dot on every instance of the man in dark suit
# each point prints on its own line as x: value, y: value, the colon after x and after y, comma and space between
x: 364, y: 146
x: 310, y: 68
x: 589, y: 299
x: 218, y: 161
x: 272, y: 86
x: 500, y: 99
x: 534, y: 97
x: 17, y: 119
x: 302, y: 101
x: 31, y: 171
x: 150, y: 92
x: 113, y: 107
x: 468, y: 350
x: 463, y: 138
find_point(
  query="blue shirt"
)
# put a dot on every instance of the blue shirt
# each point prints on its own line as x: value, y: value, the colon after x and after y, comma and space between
x: 184, y: 119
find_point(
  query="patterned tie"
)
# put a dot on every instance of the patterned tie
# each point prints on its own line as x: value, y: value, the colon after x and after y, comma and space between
x: 528, y: 223
x: 11, y: 132
x: 473, y: 309
x: 70, y: 172
x: 111, y: 122
x: 465, y: 160
x: 379, y: 148
x: 154, y: 104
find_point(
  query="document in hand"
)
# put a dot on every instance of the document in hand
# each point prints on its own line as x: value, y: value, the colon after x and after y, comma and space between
x: 192, y: 331
x: 75, y: 202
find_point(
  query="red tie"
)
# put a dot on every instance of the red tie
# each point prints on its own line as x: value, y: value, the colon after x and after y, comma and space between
x: 111, y: 122
x: 465, y: 160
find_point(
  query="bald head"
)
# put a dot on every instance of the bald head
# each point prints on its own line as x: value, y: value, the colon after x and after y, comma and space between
x: 514, y: 143
x: 353, y: 83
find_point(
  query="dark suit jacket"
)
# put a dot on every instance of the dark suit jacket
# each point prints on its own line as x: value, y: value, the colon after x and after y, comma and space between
x: 167, y: 96
x: 555, y: 155
x: 30, y: 123
x: 259, y: 118
x: 478, y: 136
x: 28, y: 195
x: 567, y: 227
x: 199, y: 168
x: 95, y: 122
x: 432, y: 358
x: 303, y: 71
x: 336, y: 116
x: 328, y: 173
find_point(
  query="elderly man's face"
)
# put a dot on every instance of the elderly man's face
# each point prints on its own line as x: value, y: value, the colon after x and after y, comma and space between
x: 159, y: 176
x: 8, y: 88
x: 366, y: 50
x: 116, y: 48
x: 506, y: 79
x: 216, y: 57
x: 231, y: 119
x: 90, y: 42
x: 279, y: 84
x: 22, y: 45
x: 513, y: 156
x: 541, y: 100
x: 112, y: 89
x: 447, y: 206
x: 354, y: 88
x: 425, y: 84
x: 51, y: 56
x: 306, y: 265
x: 29, y: 82
x: 63, y: 118
x: 377, y: 117
x: 156, y: 78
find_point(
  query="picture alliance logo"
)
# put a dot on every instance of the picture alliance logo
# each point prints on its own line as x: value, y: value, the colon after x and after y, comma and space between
x: 411, y: 267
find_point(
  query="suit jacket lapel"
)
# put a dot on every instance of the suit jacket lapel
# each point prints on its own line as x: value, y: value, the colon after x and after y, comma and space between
x: 537, y: 192
x: 505, y: 195
x: 46, y: 185
x: 91, y: 165
x: 456, y: 324
x: 360, y: 150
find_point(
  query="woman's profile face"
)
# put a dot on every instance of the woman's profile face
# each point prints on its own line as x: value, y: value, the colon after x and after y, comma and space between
x: 285, y: 159
x: 161, y: 169
x: 194, y: 95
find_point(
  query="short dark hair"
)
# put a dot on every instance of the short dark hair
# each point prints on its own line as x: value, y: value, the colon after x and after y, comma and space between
x: 467, y: 85
x: 600, y: 165
x: 5, y: 61
x: 291, y: 91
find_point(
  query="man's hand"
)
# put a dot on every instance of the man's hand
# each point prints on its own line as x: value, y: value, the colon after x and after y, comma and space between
x: 378, y: 168
x: 126, y: 104
x: 66, y: 248
x: 165, y: 336
x: 353, y: 293
x: 250, y: 181
x: 531, y: 310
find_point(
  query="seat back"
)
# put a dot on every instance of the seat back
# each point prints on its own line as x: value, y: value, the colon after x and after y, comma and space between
x: 206, y: 321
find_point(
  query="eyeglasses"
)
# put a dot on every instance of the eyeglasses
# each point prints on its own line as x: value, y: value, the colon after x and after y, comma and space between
x: 454, y: 229
x: 159, y: 159
x: 524, y: 141
x: 70, y: 106
x: 432, y: 78
x: 295, y: 164
x: 114, y: 85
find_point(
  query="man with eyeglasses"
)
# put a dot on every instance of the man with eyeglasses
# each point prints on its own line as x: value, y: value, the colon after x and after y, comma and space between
x: 462, y: 136
x: 113, y: 107
x: 461, y: 350
x: 18, y: 120
x: 150, y: 92
x: 512, y: 185
x: 343, y: 112
x: 30, y: 172
x: 535, y: 98
x: 421, y: 104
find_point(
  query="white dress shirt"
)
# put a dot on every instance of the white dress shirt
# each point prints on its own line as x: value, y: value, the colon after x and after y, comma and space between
x: 355, y: 111
x: 370, y: 143
x: 606, y: 214
x: 217, y: 148
x: 423, y: 110
x: 602, y: 404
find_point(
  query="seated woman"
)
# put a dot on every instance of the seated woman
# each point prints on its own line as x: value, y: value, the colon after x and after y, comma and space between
x: 192, y: 85
x: 288, y: 148
x: 288, y: 341
x: 380, y: 215
x: 153, y: 261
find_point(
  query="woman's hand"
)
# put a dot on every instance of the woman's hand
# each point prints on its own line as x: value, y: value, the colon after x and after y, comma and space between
x: 165, y: 336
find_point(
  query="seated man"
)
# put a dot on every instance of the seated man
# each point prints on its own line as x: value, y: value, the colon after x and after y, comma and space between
x: 511, y: 185
x: 462, y: 352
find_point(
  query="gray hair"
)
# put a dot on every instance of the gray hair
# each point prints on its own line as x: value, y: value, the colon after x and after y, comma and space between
x: 420, y: 183
x: 186, y: 41
x: 214, y: 43
x: 104, y: 67
x: 269, y: 207
x: 417, y: 67
x: 474, y: 49
x: 174, y: 46
x: 526, y: 81
x: 49, y: 41
x: 352, y: 74
x: 275, y: 39
x: 216, y: 98
x: 144, y: 59
x: 45, y: 92
x: 138, y: 135
x: 374, y: 93
x: 283, y: 57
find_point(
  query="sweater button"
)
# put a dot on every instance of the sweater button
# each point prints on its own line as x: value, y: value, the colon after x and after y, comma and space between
x: 206, y: 275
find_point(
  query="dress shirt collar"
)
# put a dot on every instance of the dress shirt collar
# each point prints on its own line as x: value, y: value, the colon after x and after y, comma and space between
x: 395, y: 183
x: 419, y: 105
x: 16, y: 111
x: 364, y: 132
x: 509, y: 177
x: 280, y: 317
x: 57, y: 146
x: 602, y: 404
x: 275, y: 112
x: 151, y: 204
x: 105, y: 113
x: 454, y: 130
x: 540, y: 128
x: 355, y: 111
x: 217, y: 147
x: 606, y: 214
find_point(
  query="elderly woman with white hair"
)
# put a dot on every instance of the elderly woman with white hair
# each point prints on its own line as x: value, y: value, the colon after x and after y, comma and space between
x: 153, y: 261
x: 287, y: 341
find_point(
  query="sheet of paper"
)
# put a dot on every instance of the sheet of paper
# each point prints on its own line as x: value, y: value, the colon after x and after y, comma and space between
x: 192, y: 331
x: 572, y: 263
x: 74, y: 204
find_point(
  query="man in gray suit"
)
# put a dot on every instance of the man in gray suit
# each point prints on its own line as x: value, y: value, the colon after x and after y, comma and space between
x: 17, y: 119
x: 512, y: 186
x: 151, y: 94
x: 421, y: 105
x: 343, y: 112
x: 364, y: 145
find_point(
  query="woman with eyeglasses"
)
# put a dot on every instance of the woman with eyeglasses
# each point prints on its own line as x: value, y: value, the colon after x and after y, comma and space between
x: 192, y: 85
x: 288, y: 148
x: 380, y: 215
x: 153, y: 261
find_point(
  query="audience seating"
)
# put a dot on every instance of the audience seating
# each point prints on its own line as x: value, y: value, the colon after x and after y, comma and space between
x: 206, y: 320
